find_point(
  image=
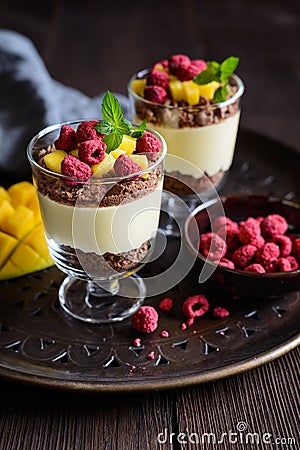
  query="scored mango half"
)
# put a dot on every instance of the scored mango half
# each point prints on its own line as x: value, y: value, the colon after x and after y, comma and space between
x: 23, y: 247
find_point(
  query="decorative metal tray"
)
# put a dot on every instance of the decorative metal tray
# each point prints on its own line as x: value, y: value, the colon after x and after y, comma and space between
x: 41, y: 345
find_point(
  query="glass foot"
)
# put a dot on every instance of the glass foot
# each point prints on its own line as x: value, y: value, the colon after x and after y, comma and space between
x: 111, y: 302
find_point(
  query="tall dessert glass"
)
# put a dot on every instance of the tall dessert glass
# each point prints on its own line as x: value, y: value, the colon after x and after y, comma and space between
x: 201, y: 142
x: 99, y: 232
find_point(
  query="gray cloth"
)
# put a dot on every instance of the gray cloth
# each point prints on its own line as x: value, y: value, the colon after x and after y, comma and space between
x: 30, y: 100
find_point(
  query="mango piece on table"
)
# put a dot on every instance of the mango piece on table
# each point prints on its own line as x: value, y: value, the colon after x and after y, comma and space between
x: 37, y: 241
x: 6, y: 210
x: 128, y: 144
x: 53, y: 160
x: 4, y: 195
x: 35, y: 207
x: 21, y: 193
x: 8, y: 271
x: 7, y: 245
x: 20, y: 222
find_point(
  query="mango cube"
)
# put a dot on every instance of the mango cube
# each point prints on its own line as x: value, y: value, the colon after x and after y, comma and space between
x: 138, y: 86
x: 176, y: 90
x: 53, y: 160
x: 6, y: 210
x: 208, y: 90
x: 21, y: 193
x: 20, y: 222
x: 36, y: 240
x: 4, y: 195
x: 25, y: 256
x: 128, y: 144
x: 116, y: 153
x: 9, y: 270
x: 75, y: 152
x: 104, y: 166
x: 191, y: 92
x: 7, y: 245
x: 141, y: 160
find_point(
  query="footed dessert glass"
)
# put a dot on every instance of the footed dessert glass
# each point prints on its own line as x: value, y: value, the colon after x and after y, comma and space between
x: 201, y: 141
x: 99, y: 232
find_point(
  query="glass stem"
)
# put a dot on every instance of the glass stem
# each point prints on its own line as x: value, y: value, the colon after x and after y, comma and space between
x: 98, y: 294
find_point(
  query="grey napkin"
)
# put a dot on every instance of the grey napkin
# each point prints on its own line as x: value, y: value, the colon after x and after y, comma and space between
x: 31, y: 100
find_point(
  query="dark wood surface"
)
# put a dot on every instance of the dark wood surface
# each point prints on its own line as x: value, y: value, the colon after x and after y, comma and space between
x: 95, y: 46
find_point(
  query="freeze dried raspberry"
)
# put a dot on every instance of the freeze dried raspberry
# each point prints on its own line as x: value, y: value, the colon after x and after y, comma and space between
x: 163, y: 63
x: 195, y: 306
x: 250, y: 232
x: 244, y: 255
x: 148, y: 143
x: 227, y: 263
x: 137, y: 342
x: 166, y: 304
x: 184, y: 74
x: 220, y: 312
x: 283, y: 265
x: 190, y: 321
x: 267, y: 253
x: 124, y: 165
x: 224, y: 223
x: 158, y: 78
x: 212, y: 246
x: 271, y: 267
x: 284, y: 243
x: 73, y: 167
x: 273, y: 225
x: 156, y: 94
x: 164, y: 334
x: 200, y: 63
x: 151, y: 355
x: 67, y: 139
x: 145, y: 319
x: 86, y: 131
x: 256, y: 268
x: 183, y: 326
x: 178, y: 61
x: 296, y: 249
x: 92, y: 152
x: 293, y: 262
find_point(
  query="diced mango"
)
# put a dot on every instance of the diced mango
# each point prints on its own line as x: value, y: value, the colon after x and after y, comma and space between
x: 116, y: 153
x: 36, y: 240
x: 104, y: 166
x: 9, y: 270
x: 160, y: 67
x: 209, y: 89
x: 138, y: 86
x: 7, y: 245
x: 20, y: 222
x: 35, y: 207
x: 75, y: 152
x: 6, y: 210
x: 53, y: 160
x: 4, y: 195
x: 24, y: 255
x: 21, y: 193
x: 191, y: 92
x: 128, y: 144
x: 141, y: 160
x: 176, y: 90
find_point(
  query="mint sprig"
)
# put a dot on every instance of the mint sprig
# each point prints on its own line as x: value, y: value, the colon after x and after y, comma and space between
x: 219, y: 73
x: 114, y: 125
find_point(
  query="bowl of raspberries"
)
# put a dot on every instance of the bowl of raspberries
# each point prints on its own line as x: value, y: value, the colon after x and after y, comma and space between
x: 254, y: 247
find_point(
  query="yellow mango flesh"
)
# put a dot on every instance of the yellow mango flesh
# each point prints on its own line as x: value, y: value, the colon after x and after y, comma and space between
x: 208, y: 90
x: 128, y: 144
x: 23, y: 247
x: 176, y: 90
x: 53, y: 160
x: 191, y: 92
x: 141, y: 160
x: 104, y: 166
x: 138, y: 86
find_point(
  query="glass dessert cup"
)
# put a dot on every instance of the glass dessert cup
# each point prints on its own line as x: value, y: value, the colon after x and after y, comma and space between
x: 201, y: 142
x: 99, y: 232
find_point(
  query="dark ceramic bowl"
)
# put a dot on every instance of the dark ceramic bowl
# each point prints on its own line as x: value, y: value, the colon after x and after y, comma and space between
x: 239, y: 207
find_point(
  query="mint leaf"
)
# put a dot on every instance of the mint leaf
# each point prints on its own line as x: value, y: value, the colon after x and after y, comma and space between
x: 228, y: 66
x: 204, y: 77
x: 220, y: 94
x: 111, y: 108
x: 112, y: 141
x: 104, y: 127
x: 139, y: 131
x: 123, y: 127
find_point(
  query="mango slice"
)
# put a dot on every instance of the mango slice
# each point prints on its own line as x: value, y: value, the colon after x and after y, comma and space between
x: 104, y: 166
x: 138, y: 86
x: 128, y: 144
x: 23, y: 247
x: 53, y: 160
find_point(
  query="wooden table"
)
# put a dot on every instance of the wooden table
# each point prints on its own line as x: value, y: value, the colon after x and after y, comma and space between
x: 94, y: 47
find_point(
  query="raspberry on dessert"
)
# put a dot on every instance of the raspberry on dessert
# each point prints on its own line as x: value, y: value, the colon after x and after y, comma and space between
x: 178, y: 61
x: 148, y: 143
x: 67, y: 139
x: 156, y: 94
x: 184, y: 74
x: 195, y: 306
x: 244, y: 255
x: 284, y: 243
x: 73, y: 167
x: 200, y: 63
x: 166, y: 304
x: 212, y: 246
x: 250, y: 232
x: 86, y: 131
x: 296, y: 249
x: 164, y: 63
x: 158, y: 78
x: 267, y: 253
x: 145, y: 319
x: 227, y: 263
x: 255, y: 267
x: 283, y: 265
x: 273, y: 225
x: 92, y: 152
x: 293, y: 262
x: 220, y: 312
x: 124, y: 165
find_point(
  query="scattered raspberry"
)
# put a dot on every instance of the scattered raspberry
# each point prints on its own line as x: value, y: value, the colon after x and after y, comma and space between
x: 183, y: 326
x: 195, y: 306
x: 178, y: 61
x: 166, y: 304
x: 212, y: 246
x: 244, y: 255
x: 137, y: 342
x: 148, y: 143
x: 145, y: 319
x: 124, y: 165
x: 224, y: 262
x: 67, y: 139
x: 284, y: 243
x: 293, y: 262
x: 86, y: 131
x: 156, y: 94
x: 255, y: 267
x: 267, y: 253
x: 220, y: 312
x: 283, y: 265
x: 164, y: 334
x: 73, y: 167
x: 273, y: 225
x: 250, y: 232
x: 158, y: 78
x: 151, y: 355
x: 92, y: 152
x: 190, y: 321
x: 296, y: 249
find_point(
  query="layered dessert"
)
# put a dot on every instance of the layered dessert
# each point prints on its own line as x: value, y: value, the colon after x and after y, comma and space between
x: 195, y: 106
x: 100, y: 202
